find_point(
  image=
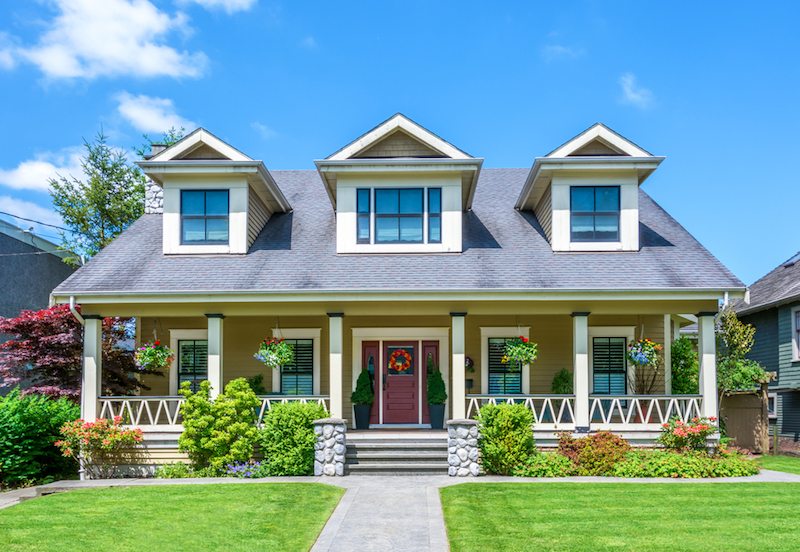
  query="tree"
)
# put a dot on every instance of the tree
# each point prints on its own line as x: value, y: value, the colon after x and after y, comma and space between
x: 45, y: 351
x: 168, y: 138
x: 685, y: 367
x: 735, y: 339
x: 99, y: 207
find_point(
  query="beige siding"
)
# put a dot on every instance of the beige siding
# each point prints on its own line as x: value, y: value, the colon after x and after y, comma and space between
x: 544, y: 212
x: 399, y: 144
x: 204, y: 152
x: 596, y: 147
x: 257, y: 217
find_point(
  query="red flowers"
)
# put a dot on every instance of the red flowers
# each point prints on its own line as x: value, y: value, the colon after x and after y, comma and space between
x: 157, y: 343
x: 524, y: 339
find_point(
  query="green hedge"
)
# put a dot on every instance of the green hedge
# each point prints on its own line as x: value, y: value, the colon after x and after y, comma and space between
x: 506, y: 437
x: 287, y: 438
x: 29, y: 425
x: 690, y: 465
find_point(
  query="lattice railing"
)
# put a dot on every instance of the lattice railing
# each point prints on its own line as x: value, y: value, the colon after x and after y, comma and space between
x: 617, y: 412
x: 143, y: 411
x: 554, y: 412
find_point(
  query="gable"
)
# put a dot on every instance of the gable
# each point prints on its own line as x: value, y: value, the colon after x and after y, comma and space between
x: 597, y: 147
x: 200, y: 144
x: 598, y: 140
x: 203, y: 151
x: 398, y: 144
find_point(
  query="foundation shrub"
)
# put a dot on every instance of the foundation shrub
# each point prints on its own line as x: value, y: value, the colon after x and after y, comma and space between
x: 594, y: 454
x: 546, y: 464
x: 287, y: 438
x: 685, y: 465
x: 506, y: 437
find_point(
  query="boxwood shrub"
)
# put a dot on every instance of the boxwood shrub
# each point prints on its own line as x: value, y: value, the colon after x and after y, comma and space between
x: 506, y: 437
x: 287, y: 438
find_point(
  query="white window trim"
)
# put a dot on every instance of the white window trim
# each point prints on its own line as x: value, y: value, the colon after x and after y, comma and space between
x: 299, y: 333
x: 174, y: 337
x: 628, y: 332
x: 795, y: 336
x: 502, y: 331
x: 774, y: 397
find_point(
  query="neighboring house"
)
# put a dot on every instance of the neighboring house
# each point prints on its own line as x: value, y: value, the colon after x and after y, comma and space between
x: 774, y: 310
x: 402, y: 244
x: 30, y: 267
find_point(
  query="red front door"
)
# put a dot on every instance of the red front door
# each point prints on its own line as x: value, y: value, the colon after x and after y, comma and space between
x: 401, y: 382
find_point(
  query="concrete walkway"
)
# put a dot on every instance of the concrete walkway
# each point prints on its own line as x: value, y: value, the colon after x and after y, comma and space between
x: 386, y: 513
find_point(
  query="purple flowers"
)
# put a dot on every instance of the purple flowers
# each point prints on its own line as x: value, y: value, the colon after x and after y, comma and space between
x: 245, y: 470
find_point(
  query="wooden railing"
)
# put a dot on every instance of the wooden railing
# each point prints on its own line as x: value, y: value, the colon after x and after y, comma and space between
x: 641, y: 412
x: 268, y: 400
x: 550, y: 412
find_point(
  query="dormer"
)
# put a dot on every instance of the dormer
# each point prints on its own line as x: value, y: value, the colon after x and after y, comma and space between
x: 399, y: 188
x: 585, y: 193
x: 216, y: 198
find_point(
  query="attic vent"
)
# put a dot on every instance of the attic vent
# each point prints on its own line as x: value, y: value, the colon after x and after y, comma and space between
x: 792, y: 261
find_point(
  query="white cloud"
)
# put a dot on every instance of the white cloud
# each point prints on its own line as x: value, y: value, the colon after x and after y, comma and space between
x: 263, y: 130
x: 309, y: 42
x: 7, y: 60
x: 554, y: 52
x: 93, y: 38
x: 34, y: 174
x: 30, y: 210
x: 635, y: 94
x: 150, y: 114
x: 229, y: 6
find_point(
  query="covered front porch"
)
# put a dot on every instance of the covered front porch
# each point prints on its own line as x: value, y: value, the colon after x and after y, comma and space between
x: 336, y: 341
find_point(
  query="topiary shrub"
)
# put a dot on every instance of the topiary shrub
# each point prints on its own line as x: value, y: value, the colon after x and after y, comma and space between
x: 29, y: 427
x: 436, y: 389
x: 287, y: 438
x: 595, y: 454
x: 363, y: 393
x: 220, y: 432
x: 562, y: 382
x: 546, y: 464
x: 506, y: 437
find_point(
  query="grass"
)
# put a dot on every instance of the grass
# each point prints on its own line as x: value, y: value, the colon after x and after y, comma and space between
x: 622, y: 516
x: 258, y: 516
x: 789, y: 464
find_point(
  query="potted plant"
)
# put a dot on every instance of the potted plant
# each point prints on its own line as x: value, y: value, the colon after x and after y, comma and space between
x: 153, y: 356
x: 362, y: 399
x: 645, y: 355
x: 562, y: 382
x: 274, y: 352
x: 437, y: 396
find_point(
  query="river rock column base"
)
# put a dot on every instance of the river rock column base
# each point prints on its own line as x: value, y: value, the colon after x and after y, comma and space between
x: 330, y: 448
x: 462, y: 448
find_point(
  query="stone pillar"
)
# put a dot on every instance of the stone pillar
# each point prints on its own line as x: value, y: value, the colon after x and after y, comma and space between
x: 92, y: 376
x: 580, y: 349
x: 458, y: 387
x: 330, y: 448
x: 707, y: 351
x: 462, y: 448
x: 215, y: 368
x: 335, y: 336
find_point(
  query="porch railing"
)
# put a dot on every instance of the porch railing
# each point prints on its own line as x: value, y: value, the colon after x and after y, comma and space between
x: 550, y: 412
x: 648, y: 412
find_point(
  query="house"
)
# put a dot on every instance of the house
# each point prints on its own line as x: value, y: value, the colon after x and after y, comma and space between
x: 774, y: 310
x: 402, y: 243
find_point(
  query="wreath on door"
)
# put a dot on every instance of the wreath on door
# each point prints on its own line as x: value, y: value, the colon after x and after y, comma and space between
x: 400, y: 360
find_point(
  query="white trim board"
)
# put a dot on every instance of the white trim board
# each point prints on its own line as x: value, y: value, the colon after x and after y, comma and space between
x: 300, y: 333
x: 502, y: 331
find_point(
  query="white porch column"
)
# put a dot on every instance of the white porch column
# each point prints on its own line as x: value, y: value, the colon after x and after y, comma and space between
x: 707, y: 351
x: 215, y: 367
x: 458, y: 388
x: 335, y: 335
x: 92, y: 366
x: 580, y: 349
x: 668, y: 339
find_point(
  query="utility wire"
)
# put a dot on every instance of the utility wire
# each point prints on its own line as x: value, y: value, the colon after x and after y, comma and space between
x: 39, y: 222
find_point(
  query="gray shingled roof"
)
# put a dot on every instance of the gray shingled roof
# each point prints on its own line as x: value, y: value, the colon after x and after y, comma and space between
x: 779, y: 286
x: 503, y: 248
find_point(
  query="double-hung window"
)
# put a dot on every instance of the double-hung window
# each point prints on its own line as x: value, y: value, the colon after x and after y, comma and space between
x: 594, y: 213
x: 297, y: 378
x: 204, y: 217
x: 192, y: 362
x: 609, y: 365
x: 399, y: 215
x: 504, y: 377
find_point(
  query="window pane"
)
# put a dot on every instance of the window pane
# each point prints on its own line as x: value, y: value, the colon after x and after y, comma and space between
x: 363, y: 228
x: 386, y: 202
x: 387, y: 229
x: 217, y: 203
x: 435, y: 230
x: 582, y: 227
x: 606, y: 227
x: 411, y: 229
x: 434, y: 200
x: 582, y: 198
x: 362, y: 201
x: 411, y: 201
x: 194, y: 230
x: 217, y: 230
x: 607, y: 199
x: 192, y: 203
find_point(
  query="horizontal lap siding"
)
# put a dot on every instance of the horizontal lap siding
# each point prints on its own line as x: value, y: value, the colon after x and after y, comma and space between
x: 544, y: 213
x: 765, y: 346
x: 257, y: 217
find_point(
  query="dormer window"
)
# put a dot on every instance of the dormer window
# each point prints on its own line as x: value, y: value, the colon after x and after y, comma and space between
x: 204, y: 217
x: 594, y: 213
x: 399, y: 215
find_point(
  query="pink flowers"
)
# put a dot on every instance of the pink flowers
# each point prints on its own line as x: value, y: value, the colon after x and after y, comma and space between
x: 680, y: 435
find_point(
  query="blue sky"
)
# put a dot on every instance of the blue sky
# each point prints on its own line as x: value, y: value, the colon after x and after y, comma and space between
x: 714, y: 87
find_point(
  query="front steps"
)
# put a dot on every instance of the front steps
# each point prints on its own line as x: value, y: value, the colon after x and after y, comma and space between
x: 398, y: 452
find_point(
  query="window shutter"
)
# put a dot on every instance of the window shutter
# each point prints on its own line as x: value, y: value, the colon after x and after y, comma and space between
x: 298, y: 378
x: 609, y: 365
x: 192, y: 362
x: 505, y: 378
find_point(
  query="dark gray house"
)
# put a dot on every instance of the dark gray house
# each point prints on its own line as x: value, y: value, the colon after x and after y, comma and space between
x: 30, y: 267
x: 774, y: 310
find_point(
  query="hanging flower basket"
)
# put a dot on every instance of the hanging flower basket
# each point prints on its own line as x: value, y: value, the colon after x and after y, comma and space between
x: 520, y: 351
x: 274, y: 352
x: 644, y: 352
x: 153, y: 356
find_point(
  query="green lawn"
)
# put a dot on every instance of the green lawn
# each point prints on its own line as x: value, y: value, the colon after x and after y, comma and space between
x: 789, y: 464
x: 622, y: 516
x: 266, y: 516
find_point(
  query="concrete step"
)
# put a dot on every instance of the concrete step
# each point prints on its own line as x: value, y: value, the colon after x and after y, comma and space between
x: 393, y: 445
x: 395, y: 468
x: 416, y: 458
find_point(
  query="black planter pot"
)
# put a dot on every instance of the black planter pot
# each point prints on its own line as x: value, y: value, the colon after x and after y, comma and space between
x: 437, y: 416
x: 362, y: 415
